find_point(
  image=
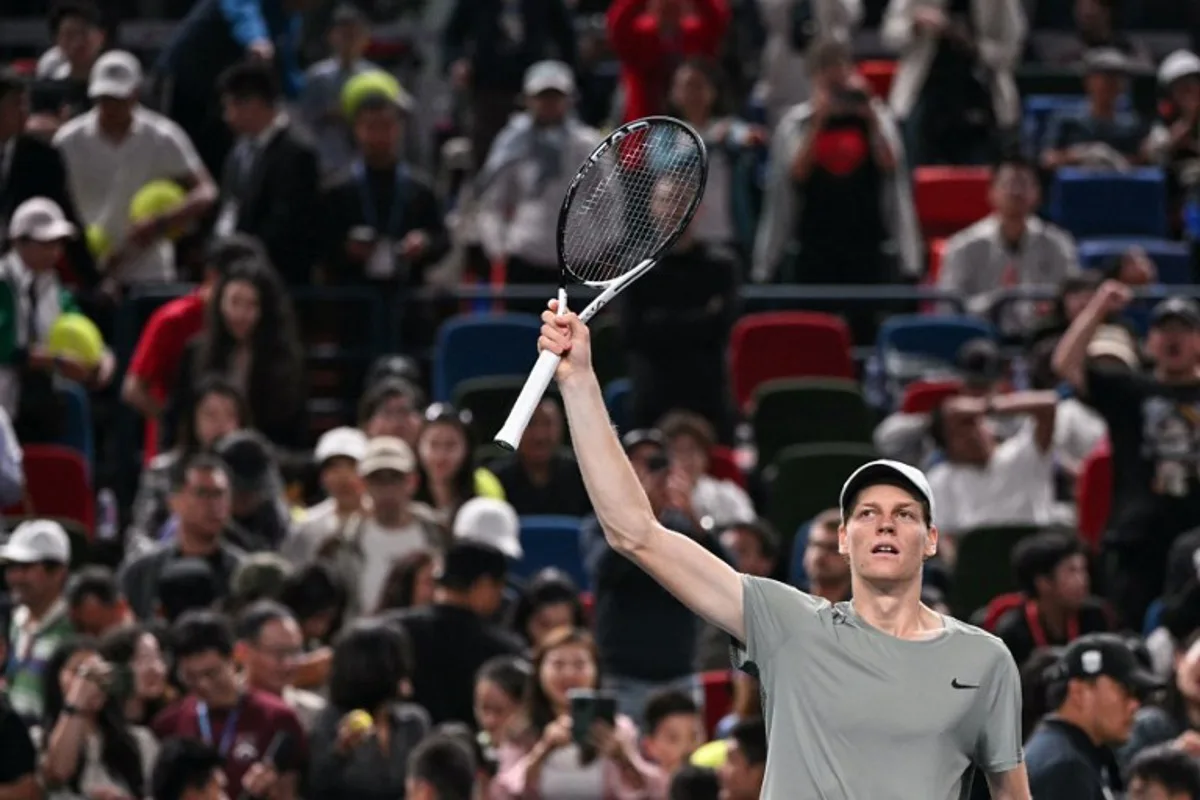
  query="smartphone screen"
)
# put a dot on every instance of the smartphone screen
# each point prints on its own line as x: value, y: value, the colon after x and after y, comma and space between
x: 589, y: 706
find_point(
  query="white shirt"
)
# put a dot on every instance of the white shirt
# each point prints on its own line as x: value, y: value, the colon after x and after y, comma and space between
x: 1077, y: 431
x: 381, y: 548
x: 564, y: 778
x: 1016, y: 487
x: 105, y: 175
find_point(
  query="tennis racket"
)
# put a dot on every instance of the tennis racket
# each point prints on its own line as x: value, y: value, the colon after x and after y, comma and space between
x: 629, y: 203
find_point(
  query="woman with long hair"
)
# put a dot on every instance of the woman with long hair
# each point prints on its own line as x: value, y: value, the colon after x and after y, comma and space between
x: 449, y: 477
x: 410, y: 583
x: 250, y: 338
x: 604, y: 766
x: 219, y: 408
x: 88, y: 748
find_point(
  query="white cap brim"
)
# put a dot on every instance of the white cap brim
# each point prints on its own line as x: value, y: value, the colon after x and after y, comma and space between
x: 23, y: 555
x: 51, y: 232
x: 872, y: 472
x: 105, y: 88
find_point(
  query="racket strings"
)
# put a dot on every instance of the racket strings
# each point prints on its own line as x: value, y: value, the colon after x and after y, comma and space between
x: 631, y: 202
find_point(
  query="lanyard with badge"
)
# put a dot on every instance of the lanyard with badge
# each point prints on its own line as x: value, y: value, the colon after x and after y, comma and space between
x: 229, y: 731
x: 382, y: 262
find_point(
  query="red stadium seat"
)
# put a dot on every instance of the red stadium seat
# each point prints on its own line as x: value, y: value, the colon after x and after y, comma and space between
x: 787, y: 344
x: 57, y: 484
x: 722, y: 463
x: 716, y: 697
x: 922, y: 397
x: 950, y: 198
x: 1093, y: 493
x: 879, y: 74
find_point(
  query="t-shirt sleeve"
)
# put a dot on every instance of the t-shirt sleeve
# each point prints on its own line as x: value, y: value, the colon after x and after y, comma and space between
x: 19, y: 757
x: 999, y: 747
x: 177, y: 154
x: 773, y: 613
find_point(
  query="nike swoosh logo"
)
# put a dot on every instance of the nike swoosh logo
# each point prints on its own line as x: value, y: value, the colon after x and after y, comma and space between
x: 958, y: 685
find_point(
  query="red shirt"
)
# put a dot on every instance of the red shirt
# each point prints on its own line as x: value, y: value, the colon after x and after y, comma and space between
x: 160, y: 348
x: 648, y: 57
x: 259, y: 716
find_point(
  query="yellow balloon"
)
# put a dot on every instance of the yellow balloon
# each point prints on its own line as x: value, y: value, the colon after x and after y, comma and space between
x: 360, y: 720
x: 368, y: 84
x: 711, y: 755
x: 98, y: 241
x: 76, y: 337
x: 155, y: 199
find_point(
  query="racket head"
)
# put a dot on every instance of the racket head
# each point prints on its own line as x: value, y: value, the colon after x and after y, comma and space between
x: 631, y: 200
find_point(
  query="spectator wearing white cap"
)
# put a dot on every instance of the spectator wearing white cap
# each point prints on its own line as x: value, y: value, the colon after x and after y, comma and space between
x: 31, y: 301
x: 35, y: 560
x: 337, y: 454
x: 111, y: 153
x: 528, y: 169
x: 1174, y: 140
x: 492, y: 522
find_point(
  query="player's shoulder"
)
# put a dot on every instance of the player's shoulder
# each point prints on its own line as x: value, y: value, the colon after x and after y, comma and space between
x: 979, y: 642
x: 768, y: 592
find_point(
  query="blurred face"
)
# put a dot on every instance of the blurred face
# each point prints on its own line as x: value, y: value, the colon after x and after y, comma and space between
x: 33, y: 585
x: 349, y: 40
x: 565, y: 668
x: 493, y: 709
x: 544, y: 435
x: 740, y: 780
x: 216, y: 416
x: 691, y: 90
x: 93, y: 618
x: 549, y: 107
x: 1108, y: 706
x: 1103, y: 88
x: 241, y: 114
x: 209, y: 675
x: 115, y: 113
x: 271, y: 661
x: 40, y: 256
x: 548, y: 618
x: 71, y: 672
x: 1174, y: 345
x: 689, y: 455
x: 1185, y: 93
x: 1069, y: 584
x: 1090, y: 14
x: 389, y: 490
x: 1142, y: 789
x: 423, y: 586
x: 80, y: 42
x: 650, y: 463
x: 1015, y: 192
x: 240, y: 309
x: 13, y: 108
x: 149, y: 669
x: 675, y: 738
x: 378, y: 132
x: 968, y: 438
x: 668, y: 203
x: 822, y: 562
x: 746, y: 551
x: 886, y: 536
x: 442, y: 450
x: 486, y: 597
x: 1187, y: 673
x: 1075, y: 302
x: 835, y: 76
x: 395, y: 417
x: 203, y: 503
x: 339, y: 479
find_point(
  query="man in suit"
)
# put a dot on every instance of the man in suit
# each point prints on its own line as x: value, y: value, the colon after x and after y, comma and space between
x: 30, y: 167
x: 271, y: 179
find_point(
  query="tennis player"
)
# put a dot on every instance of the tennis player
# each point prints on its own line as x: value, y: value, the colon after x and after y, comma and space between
x: 879, y: 698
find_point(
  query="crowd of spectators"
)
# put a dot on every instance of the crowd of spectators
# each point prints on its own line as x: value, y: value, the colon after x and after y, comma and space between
x: 300, y: 573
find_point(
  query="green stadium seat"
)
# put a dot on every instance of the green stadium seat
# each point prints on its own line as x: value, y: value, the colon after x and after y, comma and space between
x: 804, y: 480
x: 983, y: 569
x: 791, y: 411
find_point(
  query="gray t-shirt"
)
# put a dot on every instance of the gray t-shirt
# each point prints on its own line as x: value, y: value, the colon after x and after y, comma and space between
x: 852, y: 712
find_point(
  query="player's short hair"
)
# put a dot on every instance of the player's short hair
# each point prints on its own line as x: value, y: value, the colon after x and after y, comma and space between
x: 900, y: 483
x: 445, y: 764
x: 1171, y: 768
x: 1039, y: 555
x: 751, y: 737
x: 667, y: 703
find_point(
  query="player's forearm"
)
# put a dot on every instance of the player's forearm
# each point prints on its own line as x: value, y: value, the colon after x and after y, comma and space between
x: 617, y: 496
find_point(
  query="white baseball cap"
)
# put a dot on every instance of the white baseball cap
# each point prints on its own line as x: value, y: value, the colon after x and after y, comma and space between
x: 115, y: 74
x: 885, y: 471
x: 545, y: 76
x: 35, y: 541
x: 40, y: 219
x: 341, y: 442
x: 1179, y: 64
x: 485, y: 520
x: 386, y: 453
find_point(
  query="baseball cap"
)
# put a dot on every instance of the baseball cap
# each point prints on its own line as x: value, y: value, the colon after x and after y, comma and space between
x: 115, y: 74
x: 386, y: 452
x: 547, y: 76
x: 40, y: 219
x: 1113, y: 341
x: 1105, y: 59
x: 1179, y: 64
x: 344, y: 442
x: 35, y: 541
x: 886, y: 471
x: 1107, y: 654
x: 492, y: 522
x: 248, y: 456
x: 979, y: 362
x: 1180, y: 308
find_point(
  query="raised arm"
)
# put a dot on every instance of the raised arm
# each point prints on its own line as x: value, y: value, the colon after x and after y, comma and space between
x: 700, y: 580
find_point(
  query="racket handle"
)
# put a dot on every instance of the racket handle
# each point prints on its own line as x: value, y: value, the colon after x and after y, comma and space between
x: 527, y: 402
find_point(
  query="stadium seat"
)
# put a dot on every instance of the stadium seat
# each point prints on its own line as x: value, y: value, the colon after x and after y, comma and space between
x: 78, y: 434
x: 790, y: 411
x: 787, y: 344
x: 805, y: 480
x: 476, y: 346
x: 616, y: 400
x: 1039, y: 109
x: 1093, y: 493
x: 1092, y: 203
x: 922, y: 397
x: 714, y: 695
x: 982, y: 568
x: 1173, y: 260
x: 722, y: 464
x: 551, y: 541
x: 57, y: 485
x: 489, y: 400
x: 934, y: 337
x: 796, y: 575
x: 608, y: 349
x: 879, y: 73
x: 949, y: 199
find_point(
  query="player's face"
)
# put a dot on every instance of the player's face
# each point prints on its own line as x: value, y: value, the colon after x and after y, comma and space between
x: 886, y: 536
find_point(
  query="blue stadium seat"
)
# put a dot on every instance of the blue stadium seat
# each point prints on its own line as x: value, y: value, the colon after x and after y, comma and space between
x: 551, y: 541
x: 478, y: 346
x: 1173, y: 259
x: 1092, y: 203
x: 616, y: 400
x: 77, y: 433
x: 933, y: 337
x: 796, y: 575
x: 1039, y: 109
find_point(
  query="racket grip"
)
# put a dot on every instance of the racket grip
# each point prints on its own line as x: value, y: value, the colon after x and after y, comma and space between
x: 526, y: 403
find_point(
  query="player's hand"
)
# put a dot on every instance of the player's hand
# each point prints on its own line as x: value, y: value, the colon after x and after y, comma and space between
x: 567, y: 337
x: 1114, y: 295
